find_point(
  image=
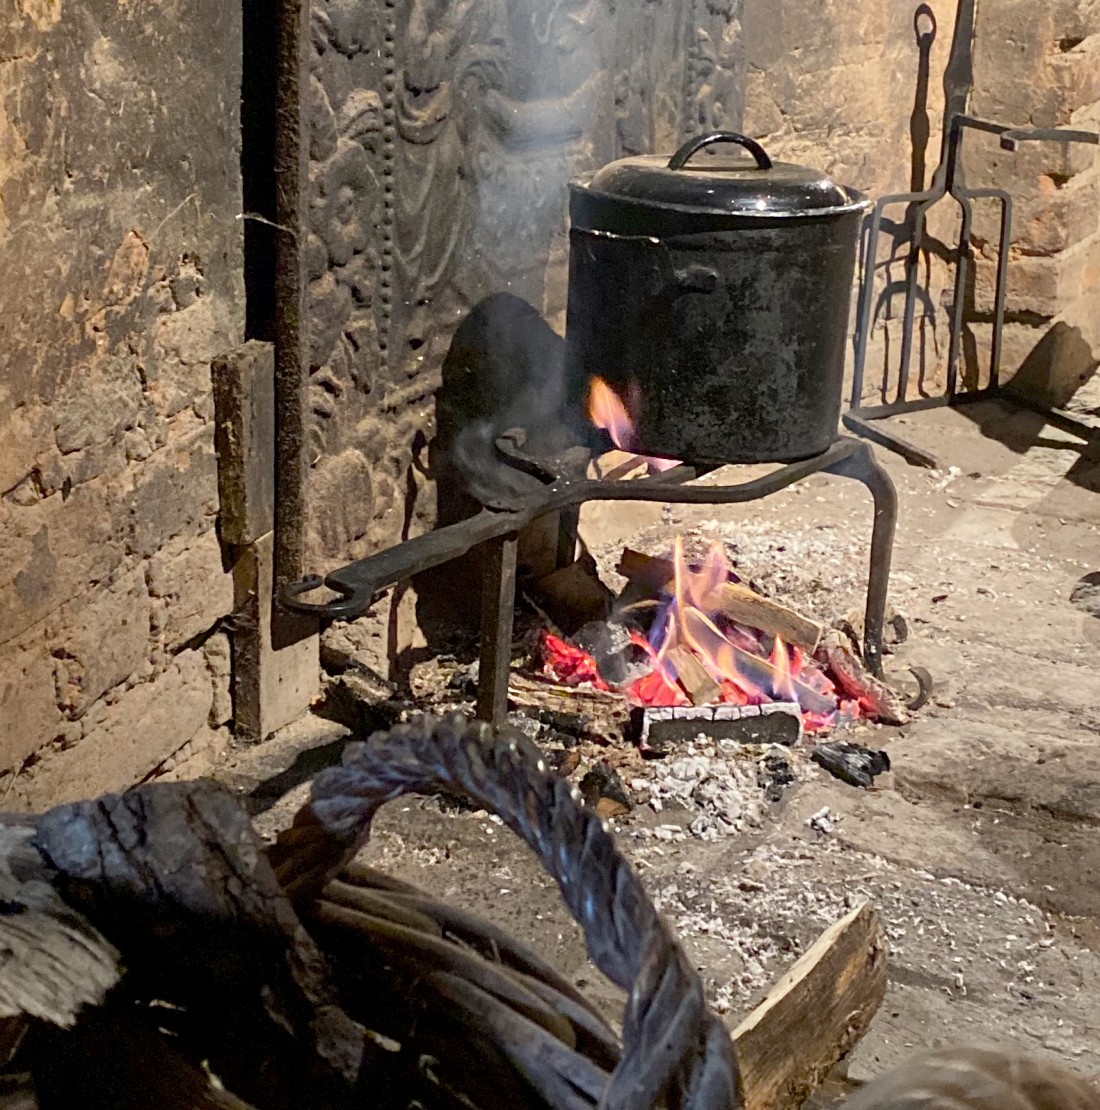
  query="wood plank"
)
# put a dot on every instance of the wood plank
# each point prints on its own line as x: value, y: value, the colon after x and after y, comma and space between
x: 814, y: 1015
x: 694, y: 679
x: 733, y: 599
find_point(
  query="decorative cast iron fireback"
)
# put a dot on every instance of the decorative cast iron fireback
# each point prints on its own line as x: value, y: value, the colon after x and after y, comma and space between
x: 438, y: 172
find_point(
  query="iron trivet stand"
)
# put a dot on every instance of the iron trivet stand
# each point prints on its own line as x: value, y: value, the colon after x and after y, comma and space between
x: 559, y: 488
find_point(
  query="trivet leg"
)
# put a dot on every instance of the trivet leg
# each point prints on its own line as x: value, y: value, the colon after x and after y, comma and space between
x: 498, y: 602
x: 865, y: 468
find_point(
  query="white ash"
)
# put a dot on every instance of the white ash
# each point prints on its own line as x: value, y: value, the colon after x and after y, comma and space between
x: 718, y: 781
x: 823, y: 821
x: 772, y: 906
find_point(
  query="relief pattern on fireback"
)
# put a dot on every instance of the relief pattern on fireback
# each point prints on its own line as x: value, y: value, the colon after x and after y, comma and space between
x: 443, y: 135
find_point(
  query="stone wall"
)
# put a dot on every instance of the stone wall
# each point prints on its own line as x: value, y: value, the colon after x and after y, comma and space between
x: 120, y: 280
x: 848, y: 88
x: 1039, y: 65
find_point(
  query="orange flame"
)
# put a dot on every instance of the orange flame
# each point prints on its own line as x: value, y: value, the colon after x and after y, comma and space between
x: 781, y: 663
x: 748, y: 673
x: 606, y: 410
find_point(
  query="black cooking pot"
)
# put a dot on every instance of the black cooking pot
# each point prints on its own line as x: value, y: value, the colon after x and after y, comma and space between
x: 713, y: 298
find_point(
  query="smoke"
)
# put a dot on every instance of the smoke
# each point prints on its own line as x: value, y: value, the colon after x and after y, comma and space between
x: 531, y: 84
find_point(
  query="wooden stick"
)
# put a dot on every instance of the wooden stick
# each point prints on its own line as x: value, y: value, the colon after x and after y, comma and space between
x: 694, y: 679
x: 471, y: 930
x: 814, y: 1015
x: 857, y: 682
x: 732, y: 599
x: 409, y: 946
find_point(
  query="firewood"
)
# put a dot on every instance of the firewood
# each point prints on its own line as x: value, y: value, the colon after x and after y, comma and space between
x: 694, y: 679
x: 574, y: 595
x: 560, y: 1078
x: 858, y: 683
x: 658, y: 727
x: 410, y: 946
x: 174, y: 876
x: 814, y: 1015
x: 116, y: 1060
x: 594, y: 1036
x: 55, y: 961
x: 732, y: 599
x: 606, y: 712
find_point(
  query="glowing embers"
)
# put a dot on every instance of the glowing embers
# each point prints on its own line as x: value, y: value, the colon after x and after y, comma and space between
x: 606, y: 410
x: 569, y: 665
x: 699, y: 657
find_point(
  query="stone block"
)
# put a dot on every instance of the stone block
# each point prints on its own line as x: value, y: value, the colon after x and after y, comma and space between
x: 102, y: 401
x: 271, y: 686
x: 186, y: 341
x: 100, y: 640
x: 176, y: 491
x: 29, y: 715
x: 198, y: 757
x: 53, y: 548
x: 218, y: 654
x: 1058, y: 217
x: 244, y: 408
x: 23, y: 431
x: 1076, y: 76
x: 1047, y: 363
x: 133, y: 737
x: 1034, y: 285
x: 188, y: 576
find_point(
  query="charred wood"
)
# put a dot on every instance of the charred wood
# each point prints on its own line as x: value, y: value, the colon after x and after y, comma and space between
x: 858, y: 683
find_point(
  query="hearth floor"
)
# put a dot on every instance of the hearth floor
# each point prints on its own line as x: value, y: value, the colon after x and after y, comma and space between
x: 980, y: 848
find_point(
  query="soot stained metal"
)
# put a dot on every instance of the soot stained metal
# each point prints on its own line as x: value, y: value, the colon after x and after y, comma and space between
x: 712, y: 294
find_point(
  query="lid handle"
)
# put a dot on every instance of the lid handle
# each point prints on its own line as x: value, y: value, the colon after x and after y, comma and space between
x: 680, y: 158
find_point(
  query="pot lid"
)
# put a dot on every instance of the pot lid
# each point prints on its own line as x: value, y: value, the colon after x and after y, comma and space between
x: 745, y: 182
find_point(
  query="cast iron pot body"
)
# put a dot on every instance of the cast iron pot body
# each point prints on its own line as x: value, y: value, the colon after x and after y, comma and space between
x: 713, y: 298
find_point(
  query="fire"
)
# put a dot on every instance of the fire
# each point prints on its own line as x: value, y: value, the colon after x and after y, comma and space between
x: 569, y: 665
x: 744, y: 666
x: 607, y: 411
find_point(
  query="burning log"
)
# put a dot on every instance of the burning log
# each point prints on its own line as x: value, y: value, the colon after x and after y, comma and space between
x: 732, y: 599
x: 694, y: 679
x: 605, y: 713
x: 772, y: 723
x: 873, y: 695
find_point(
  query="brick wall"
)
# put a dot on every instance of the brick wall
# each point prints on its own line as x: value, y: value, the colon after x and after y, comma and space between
x: 120, y: 280
x: 834, y: 85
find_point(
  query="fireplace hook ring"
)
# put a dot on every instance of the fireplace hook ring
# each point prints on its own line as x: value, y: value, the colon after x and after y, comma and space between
x: 348, y: 605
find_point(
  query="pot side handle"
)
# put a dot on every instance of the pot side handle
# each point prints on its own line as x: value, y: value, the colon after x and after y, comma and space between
x: 680, y: 159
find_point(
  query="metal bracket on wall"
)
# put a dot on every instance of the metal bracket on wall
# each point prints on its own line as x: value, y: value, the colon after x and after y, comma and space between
x: 948, y: 179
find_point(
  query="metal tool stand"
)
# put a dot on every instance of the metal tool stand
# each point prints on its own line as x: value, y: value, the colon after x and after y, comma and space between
x: 947, y: 180
x: 359, y: 583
